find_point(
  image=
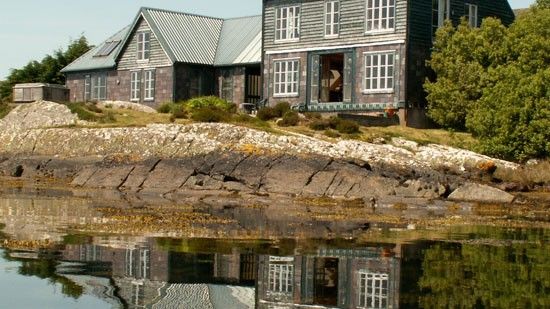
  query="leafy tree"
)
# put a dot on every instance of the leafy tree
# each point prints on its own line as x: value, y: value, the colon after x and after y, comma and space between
x: 45, y: 71
x: 495, y: 82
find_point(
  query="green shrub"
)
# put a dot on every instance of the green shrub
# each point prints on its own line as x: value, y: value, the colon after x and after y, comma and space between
x: 108, y: 117
x: 281, y: 109
x: 249, y: 120
x: 347, y: 127
x: 210, y: 114
x: 267, y: 113
x: 178, y: 111
x: 319, y: 125
x: 331, y: 133
x: 290, y: 118
x: 82, y: 112
x: 212, y: 102
x: 165, y: 108
x: 4, y: 109
x: 313, y: 116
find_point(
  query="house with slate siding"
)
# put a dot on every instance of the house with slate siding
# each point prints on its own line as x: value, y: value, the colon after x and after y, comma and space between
x: 334, y: 56
x: 358, y: 56
x: 166, y: 56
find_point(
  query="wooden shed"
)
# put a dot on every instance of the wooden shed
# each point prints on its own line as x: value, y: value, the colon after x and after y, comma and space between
x: 25, y: 93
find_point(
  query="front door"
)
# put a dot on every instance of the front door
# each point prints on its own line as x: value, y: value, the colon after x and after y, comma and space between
x: 330, y: 78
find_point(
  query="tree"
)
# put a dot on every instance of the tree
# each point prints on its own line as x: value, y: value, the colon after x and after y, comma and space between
x: 47, y: 70
x: 495, y: 82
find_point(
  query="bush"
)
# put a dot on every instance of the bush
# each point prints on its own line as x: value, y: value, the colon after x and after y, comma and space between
x: 165, y: 108
x: 290, y: 118
x: 281, y: 109
x: 313, y: 116
x: 4, y: 109
x: 178, y: 111
x: 211, y: 102
x: 319, y: 125
x: 249, y: 120
x: 331, y: 133
x: 267, y: 113
x: 347, y: 127
x: 210, y: 114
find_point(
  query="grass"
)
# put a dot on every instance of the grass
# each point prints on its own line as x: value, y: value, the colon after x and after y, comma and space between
x: 527, y: 175
x: 5, y: 109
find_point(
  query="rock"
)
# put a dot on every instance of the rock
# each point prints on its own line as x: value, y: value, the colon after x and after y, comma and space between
x: 127, y: 105
x: 168, y: 175
x: 109, y: 177
x: 472, y: 192
x: 290, y: 176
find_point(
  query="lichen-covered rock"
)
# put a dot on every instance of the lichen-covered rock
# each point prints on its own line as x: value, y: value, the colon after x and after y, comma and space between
x: 473, y: 192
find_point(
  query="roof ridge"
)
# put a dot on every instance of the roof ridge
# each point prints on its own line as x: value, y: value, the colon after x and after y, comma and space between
x: 179, y: 12
x: 243, y: 17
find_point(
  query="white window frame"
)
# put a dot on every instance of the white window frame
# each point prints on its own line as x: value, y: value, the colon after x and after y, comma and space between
x: 149, y: 85
x: 373, y: 72
x: 143, y: 46
x: 373, y: 290
x: 332, y: 18
x: 87, y: 87
x: 281, y: 278
x: 99, y: 87
x: 472, y: 14
x: 135, y: 86
x: 286, y: 77
x: 376, y: 16
x: 287, y: 23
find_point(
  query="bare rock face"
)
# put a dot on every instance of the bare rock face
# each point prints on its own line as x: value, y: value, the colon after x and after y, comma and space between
x: 127, y: 105
x: 472, y: 192
x: 41, y: 114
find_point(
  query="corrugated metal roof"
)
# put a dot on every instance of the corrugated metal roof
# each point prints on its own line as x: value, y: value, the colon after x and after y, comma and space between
x: 88, y: 62
x: 190, y: 38
x: 240, y: 41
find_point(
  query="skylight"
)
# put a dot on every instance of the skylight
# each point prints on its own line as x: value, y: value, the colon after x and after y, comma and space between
x: 107, y: 48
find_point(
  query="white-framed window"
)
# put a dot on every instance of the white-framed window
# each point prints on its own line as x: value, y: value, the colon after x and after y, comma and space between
x: 149, y: 85
x: 380, y: 15
x: 99, y: 87
x: 373, y: 290
x: 471, y: 14
x: 135, y: 86
x: 332, y: 18
x: 143, y: 45
x: 287, y: 23
x: 286, y: 77
x: 441, y: 11
x: 281, y: 278
x: 87, y: 88
x: 379, y: 71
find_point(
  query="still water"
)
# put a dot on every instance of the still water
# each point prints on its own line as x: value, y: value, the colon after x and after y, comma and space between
x: 44, y: 264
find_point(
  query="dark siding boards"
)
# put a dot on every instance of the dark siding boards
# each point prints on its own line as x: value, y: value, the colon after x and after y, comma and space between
x: 352, y: 24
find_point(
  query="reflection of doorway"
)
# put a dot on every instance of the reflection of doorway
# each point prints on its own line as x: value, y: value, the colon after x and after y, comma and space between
x: 326, y: 282
x: 331, y: 87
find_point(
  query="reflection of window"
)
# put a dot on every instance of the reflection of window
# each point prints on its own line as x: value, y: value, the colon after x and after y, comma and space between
x: 380, y: 15
x: 471, y: 14
x: 373, y: 290
x: 281, y: 273
x: 138, y: 263
x: 287, y: 23
x: 138, y: 294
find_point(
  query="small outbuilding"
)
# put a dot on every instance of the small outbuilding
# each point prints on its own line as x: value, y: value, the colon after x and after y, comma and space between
x: 25, y: 93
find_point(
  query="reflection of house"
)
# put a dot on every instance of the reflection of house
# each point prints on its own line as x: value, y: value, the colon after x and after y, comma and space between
x: 367, y: 278
x: 147, y: 276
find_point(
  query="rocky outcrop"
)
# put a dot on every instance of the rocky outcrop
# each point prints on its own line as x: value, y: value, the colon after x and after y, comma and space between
x: 167, y: 158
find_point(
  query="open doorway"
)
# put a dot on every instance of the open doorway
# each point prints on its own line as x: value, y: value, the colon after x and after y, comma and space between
x: 332, y: 78
x: 326, y: 282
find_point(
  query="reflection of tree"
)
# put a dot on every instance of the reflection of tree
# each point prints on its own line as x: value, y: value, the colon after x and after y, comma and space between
x: 45, y: 269
x: 470, y: 276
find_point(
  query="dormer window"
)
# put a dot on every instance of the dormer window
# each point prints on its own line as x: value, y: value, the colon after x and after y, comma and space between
x: 380, y: 15
x: 332, y: 18
x: 143, y: 45
x: 287, y: 24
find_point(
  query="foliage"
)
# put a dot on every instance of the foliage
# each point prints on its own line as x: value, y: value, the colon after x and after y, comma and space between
x: 166, y: 108
x: 290, y: 119
x: 341, y: 125
x: 250, y: 121
x: 495, y: 82
x: 210, y: 114
x: 209, y: 102
x: 269, y: 113
x: 347, y: 127
x: 45, y: 71
x: 5, y: 108
x: 90, y: 112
